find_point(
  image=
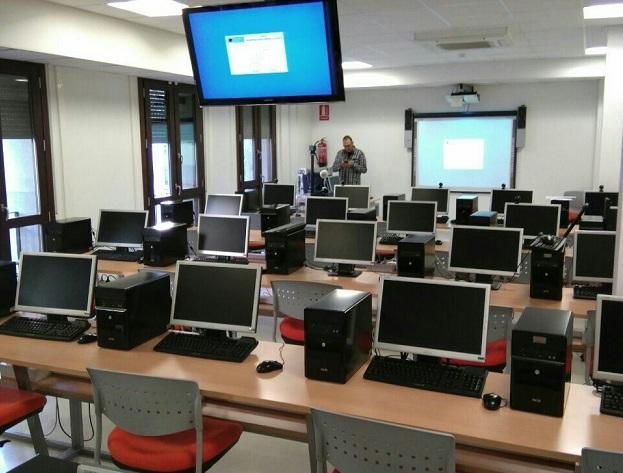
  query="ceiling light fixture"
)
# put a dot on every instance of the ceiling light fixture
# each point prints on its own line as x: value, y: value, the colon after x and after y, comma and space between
x: 355, y: 65
x: 151, y: 8
x: 609, y: 10
x: 596, y: 51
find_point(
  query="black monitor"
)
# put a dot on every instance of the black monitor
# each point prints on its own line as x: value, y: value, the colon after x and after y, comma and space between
x: 499, y: 198
x: 534, y: 219
x: 223, y: 235
x: 485, y: 250
x: 432, y: 194
x: 593, y: 256
x: 216, y: 296
x: 224, y: 204
x: 434, y: 318
x: 358, y: 196
x: 121, y: 228
x: 333, y: 208
x: 407, y: 216
x: 56, y: 284
x: 597, y: 202
x: 278, y: 194
x: 608, y: 364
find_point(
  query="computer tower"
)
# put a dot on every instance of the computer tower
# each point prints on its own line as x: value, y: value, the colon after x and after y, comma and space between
x: 547, y: 264
x: 610, y: 219
x: 8, y: 286
x: 273, y: 216
x: 178, y: 212
x: 465, y: 206
x: 416, y: 256
x: 68, y: 235
x: 362, y: 214
x: 132, y: 310
x: 484, y: 218
x: 164, y: 244
x: 386, y: 199
x: 564, y: 211
x: 541, y: 361
x: 250, y: 200
x: 285, y: 248
x: 338, y: 335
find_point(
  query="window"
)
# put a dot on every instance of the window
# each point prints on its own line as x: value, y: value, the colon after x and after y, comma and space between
x: 172, y: 132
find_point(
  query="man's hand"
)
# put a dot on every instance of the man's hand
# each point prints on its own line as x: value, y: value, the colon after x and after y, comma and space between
x: 347, y: 164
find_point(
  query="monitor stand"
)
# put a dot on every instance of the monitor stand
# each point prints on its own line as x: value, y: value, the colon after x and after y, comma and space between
x: 484, y: 279
x: 63, y: 318
x: 213, y: 333
x: 346, y: 270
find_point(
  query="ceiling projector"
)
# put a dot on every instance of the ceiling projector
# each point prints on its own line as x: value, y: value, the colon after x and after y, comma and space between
x: 463, y: 95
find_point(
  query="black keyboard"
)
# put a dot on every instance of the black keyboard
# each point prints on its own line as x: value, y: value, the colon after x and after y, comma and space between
x: 390, y: 238
x: 47, y: 330
x: 112, y: 255
x: 612, y: 401
x: 214, y: 348
x: 461, y: 380
x: 587, y: 292
x: 442, y: 219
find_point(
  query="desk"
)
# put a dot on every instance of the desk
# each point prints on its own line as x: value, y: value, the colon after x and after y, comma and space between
x: 522, y: 436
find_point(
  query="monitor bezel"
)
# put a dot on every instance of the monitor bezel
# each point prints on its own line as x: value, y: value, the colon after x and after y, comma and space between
x: 317, y: 197
x: 597, y: 373
x: 58, y: 311
x: 409, y: 202
x: 506, y: 205
x: 574, y: 276
x: 119, y: 245
x: 334, y: 55
x: 345, y: 261
x: 485, y: 271
x: 432, y: 351
x: 216, y: 326
x: 509, y: 190
x: 240, y: 196
x: 224, y: 253
x: 351, y: 186
x: 271, y: 184
x: 446, y: 189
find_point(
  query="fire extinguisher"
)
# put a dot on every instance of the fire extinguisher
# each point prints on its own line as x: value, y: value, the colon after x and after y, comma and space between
x: 321, y: 152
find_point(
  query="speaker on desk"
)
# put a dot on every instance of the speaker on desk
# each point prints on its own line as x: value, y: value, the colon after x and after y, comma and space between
x: 8, y: 286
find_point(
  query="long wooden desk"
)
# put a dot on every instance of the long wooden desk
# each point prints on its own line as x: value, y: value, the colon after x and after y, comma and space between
x: 511, y: 434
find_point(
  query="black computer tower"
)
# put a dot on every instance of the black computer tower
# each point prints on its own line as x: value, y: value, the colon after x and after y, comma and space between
x: 465, y: 206
x: 272, y: 216
x: 541, y: 361
x: 368, y: 215
x: 133, y: 309
x: 68, y: 235
x: 484, y: 218
x: 386, y: 199
x: 164, y: 244
x: 547, y: 264
x: 564, y: 211
x: 8, y: 286
x: 338, y: 335
x: 178, y: 212
x: 251, y: 201
x: 610, y: 219
x: 285, y: 248
x: 415, y: 256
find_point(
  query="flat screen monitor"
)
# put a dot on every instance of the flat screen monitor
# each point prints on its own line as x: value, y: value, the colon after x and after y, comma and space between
x: 499, y: 198
x: 432, y: 194
x: 409, y: 216
x: 434, y: 318
x: 597, y: 200
x: 224, y: 204
x: 56, y: 283
x: 332, y: 182
x: 121, y: 228
x: 534, y: 219
x: 266, y: 52
x: 217, y: 296
x: 485, y: 250
x: 223, y: 235
x: 593, y: 256
x: 608, y: 365
x: 347, y: 242
x: 278, y: 194
x: 358, y: 196
x: 333, y: 208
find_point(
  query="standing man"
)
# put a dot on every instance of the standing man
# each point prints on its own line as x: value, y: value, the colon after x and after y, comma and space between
x: 350, y: 162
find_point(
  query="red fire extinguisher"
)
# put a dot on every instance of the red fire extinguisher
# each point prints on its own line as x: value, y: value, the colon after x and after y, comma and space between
x: 321, y: 152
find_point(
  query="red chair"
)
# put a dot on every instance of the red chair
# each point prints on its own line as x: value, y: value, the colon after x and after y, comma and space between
x: 17, y: 405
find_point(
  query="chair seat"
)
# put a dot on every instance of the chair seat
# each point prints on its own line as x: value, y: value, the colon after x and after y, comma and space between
x: 174, y: 452
x: 292, y: 330
x: 495, y: 355
x: 16, y: 405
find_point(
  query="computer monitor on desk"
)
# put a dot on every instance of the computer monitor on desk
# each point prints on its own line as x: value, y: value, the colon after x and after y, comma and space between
x: 223, y: 236
x: 608, y: 364
x: 224, y: 204
x: 411, y: 217
x: 358, y: 196
x: 432, y: 194
x: 278, y: 194
x: 332, y: 208
x: 593, y: 259
x: 534, y: 219
x: 121, y: 228
x: 499, y: 198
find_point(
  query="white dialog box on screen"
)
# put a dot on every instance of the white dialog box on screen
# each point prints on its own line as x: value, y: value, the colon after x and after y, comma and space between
x: 464, y: 154
x: 258, y: 53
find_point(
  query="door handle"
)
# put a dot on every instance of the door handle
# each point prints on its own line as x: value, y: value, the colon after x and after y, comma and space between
x: 178, y: 189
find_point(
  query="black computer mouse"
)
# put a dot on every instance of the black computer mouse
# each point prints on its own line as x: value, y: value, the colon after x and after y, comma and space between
x: 87, y: 338
x: 491, y: 401
x: 438, y: 242
x: 268, y: 366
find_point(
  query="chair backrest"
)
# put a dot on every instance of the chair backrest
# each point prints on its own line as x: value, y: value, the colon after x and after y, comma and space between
x: 291, y: 297
x: 354, y: 444
x: 601, y: 461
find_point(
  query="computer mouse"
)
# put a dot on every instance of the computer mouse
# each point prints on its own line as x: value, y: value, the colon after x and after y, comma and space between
x: 268, y: 366
x: 438, y: 242
x: 491, y: 401
x: 87, y: 338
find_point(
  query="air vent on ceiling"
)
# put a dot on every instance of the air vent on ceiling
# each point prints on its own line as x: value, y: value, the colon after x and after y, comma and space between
x: 463, y: 39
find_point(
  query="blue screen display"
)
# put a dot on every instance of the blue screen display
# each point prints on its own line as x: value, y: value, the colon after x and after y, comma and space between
x: 262, y: 52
